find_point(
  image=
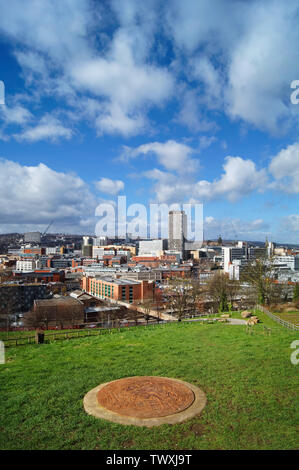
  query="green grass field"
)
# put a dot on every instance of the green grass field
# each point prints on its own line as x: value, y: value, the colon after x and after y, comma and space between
x: 250, y: 383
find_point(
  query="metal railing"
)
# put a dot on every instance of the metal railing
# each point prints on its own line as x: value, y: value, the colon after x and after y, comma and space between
x: 277, y: 319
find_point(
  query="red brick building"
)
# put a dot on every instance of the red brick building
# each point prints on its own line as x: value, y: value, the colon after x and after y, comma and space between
x: 34, y: 251
x: 118, y: 289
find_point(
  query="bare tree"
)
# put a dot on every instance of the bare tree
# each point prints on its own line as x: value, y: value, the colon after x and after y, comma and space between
x: 195, y: 295
x: 260, y: 275
x: 222, y: 291
x: 41, y: 317
x: 178, y: 296
x: 147, y: 305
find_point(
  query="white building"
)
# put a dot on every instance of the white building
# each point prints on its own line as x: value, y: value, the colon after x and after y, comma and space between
x: 100, y: 252
x: 230, y: 253
x: 291, y: 261
x: 236, y: 267
x: 241, y: 244
x: 52, y: 250
x: 27, y: 265
x: 87, y: 240
x: 152, y: 247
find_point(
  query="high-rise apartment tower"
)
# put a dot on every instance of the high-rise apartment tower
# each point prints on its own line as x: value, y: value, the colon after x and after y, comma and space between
x: 177, y: 229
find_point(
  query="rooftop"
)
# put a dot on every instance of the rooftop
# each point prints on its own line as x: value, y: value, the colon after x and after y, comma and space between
x: 122, y: 281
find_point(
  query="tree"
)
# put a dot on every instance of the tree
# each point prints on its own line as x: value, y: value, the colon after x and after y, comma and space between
x: 260, y: 275
x: 195, y: 295
x: 178, y: 296
x: 119, y: 313
x: 296, y: 293
x: 41, y: 316
x: 222, y: 291
x: 147, y: 306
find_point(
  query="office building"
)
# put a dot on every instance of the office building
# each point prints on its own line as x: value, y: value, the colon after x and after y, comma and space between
x: 177, y: 229
x: 125, y: 290
x: 230, y: 253
x: 27, y: 265
x: 152, y: 247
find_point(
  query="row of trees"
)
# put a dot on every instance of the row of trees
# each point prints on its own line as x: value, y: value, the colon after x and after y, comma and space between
x: 58, y: 315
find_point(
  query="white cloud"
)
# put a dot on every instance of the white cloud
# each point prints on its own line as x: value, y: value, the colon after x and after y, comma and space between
x: 51, y: 26
x: 114, y: 120
x: 108, y: 186
x: 243, y: 57
x: 66, y: 49
x: 212, y: 79
x: 172, y: 155
x: 191, y: 114
x: 15, y: 114
x: 239, y: 179
x: 38, y: 194
x: 169, y: 188
x: 285, y: 169
x: 239, y: 60
x: 121, y: 79
x: 48, y: 128
x: 234, y: 228
x: 263, y: 64
x: 194, y: 23
x: 128, y: 87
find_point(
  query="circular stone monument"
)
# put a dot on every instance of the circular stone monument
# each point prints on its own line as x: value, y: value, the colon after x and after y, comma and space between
x: 145, y: 401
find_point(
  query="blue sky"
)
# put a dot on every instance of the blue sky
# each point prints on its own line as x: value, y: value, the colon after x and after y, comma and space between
x: 168, y: 102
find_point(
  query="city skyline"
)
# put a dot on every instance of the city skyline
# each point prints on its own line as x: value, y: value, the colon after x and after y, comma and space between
x: 121, y: 98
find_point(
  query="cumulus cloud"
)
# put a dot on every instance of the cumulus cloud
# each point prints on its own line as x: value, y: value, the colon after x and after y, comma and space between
x: 38, y: 194
x: 172, y: 155
x: 128, y: 87
x: 285, y: 169
x: 108, y: 186
x: 239, y: 179
x: 48, y: 128
x: 15, y: 114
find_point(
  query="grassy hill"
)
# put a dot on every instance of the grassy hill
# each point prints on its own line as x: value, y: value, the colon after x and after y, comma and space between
x: 249, y: 381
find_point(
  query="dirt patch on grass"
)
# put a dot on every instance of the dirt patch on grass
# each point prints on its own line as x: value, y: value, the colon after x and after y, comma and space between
x: 129, y: 444
x: 196, y: 429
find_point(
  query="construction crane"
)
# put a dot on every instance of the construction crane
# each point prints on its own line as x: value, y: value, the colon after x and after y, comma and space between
x: 43, y: 234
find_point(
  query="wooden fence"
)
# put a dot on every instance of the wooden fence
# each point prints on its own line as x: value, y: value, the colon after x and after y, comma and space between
x: 277, y: 319
x: 24, y: 340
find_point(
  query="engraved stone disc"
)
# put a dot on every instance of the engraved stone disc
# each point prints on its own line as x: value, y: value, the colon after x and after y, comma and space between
x: 145, y: 401
x: 145, y: 397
